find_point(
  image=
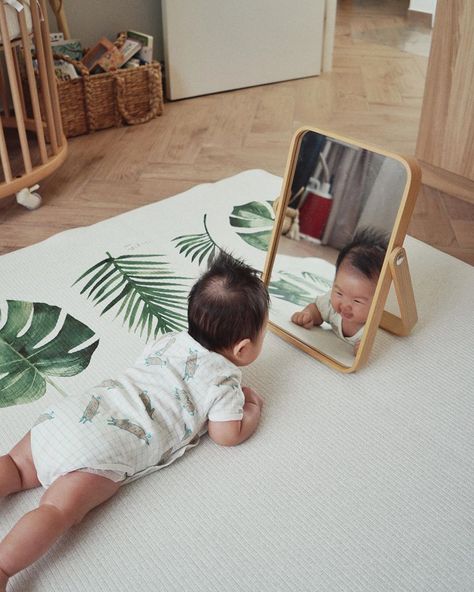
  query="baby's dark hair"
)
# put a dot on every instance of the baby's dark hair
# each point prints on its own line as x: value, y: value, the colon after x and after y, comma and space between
x: 365, y: 252
x: 228, y: 303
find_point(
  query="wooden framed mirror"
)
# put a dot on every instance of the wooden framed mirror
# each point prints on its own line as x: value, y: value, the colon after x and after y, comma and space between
x: 336, y: 188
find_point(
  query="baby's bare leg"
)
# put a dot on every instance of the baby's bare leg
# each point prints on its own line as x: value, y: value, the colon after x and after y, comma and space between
x: 17, y: 470
x: 64, y: 504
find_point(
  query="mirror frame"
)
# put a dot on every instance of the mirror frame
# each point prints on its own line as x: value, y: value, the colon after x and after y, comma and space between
x: 395, y: 266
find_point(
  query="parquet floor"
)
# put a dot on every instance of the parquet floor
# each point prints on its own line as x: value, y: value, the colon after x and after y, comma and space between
x: 374, y: 93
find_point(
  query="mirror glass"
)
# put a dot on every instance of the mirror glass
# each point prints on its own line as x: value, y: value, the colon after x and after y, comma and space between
x: 337, y: 190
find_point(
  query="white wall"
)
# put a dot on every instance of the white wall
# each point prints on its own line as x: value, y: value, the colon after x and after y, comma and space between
x: 91, y: 19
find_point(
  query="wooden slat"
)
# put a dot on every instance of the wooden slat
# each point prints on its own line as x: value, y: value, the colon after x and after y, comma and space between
x: 57, y: 6
x: 43, y: 73
x: 18, y: 77
x: 14, y: 89
x: 7, y: 170
x: 32, y: 87
x: 48, y: 54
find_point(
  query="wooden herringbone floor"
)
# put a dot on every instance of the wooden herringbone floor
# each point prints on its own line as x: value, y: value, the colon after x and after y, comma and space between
x: 373, y: 93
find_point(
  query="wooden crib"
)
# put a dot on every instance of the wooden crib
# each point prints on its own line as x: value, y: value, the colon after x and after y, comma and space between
x: 29, y: 101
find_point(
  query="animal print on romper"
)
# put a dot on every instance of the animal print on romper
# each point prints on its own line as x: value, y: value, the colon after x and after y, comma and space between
x: 191, y: 365
x: 110, y: 384
x: 132, y: 428
x: 156, y: 358
x: 44, y: 417
x: 145, y: 399
x: 91, y: 410
x: 228, y: 381
x: 186, y: 402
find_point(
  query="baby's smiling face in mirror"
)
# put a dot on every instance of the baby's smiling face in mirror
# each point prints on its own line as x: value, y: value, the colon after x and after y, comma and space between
x: 352, y: 294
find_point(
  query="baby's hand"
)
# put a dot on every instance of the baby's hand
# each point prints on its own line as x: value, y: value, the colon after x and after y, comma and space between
x: 252, y: 397
x: 303, y: 318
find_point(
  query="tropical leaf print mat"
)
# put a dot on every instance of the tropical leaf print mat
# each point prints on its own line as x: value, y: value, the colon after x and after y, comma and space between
x: 81, y: 305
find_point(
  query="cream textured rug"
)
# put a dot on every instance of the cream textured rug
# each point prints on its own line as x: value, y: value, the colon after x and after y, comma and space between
x: 352, y: 483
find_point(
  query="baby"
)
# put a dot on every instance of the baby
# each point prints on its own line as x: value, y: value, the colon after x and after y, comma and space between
x: 347, y: 305
x: 85, y: 447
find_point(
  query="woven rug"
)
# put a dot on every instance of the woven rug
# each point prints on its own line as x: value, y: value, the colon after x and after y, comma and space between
x: 360, y: 482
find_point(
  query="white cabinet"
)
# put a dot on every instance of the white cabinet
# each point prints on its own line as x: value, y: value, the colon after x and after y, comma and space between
x: 218, y: 45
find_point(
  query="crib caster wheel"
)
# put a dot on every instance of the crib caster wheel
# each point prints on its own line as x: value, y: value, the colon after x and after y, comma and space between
x: 27, y: 198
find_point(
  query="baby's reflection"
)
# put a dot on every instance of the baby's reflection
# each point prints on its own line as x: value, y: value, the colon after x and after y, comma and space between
x: 346, y: 306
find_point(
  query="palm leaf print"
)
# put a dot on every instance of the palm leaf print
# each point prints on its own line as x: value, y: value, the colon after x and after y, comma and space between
x: 300, y: 289
x: 142, y: 289
x: 197, y: 245
x: 257, y: 219
x: 36, y: 342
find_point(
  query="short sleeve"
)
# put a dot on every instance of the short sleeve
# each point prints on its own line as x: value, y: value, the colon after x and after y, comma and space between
x: 323, y: 303
x: 228, y: 400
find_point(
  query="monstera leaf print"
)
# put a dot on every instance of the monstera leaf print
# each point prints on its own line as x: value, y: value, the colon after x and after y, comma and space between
x: 256, y: 219
x: 197, y: 245
x: 142, y: 289
x: 299, y: 289
x: 37, y: 342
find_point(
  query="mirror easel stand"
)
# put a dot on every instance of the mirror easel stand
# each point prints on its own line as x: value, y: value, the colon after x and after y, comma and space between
x: 397, y: 272
x: 401, y: 278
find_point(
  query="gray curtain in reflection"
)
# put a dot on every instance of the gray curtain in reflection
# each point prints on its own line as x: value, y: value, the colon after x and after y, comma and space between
x: 383, y: 201
x: 355, y: 171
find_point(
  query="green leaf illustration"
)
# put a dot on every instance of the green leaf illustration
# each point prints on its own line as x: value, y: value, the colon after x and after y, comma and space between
x: 197, y: 245
x: 259, y: 218
x: 259, y: 240
x: 142, y: 289
x: 299, y: 289
x: 255, y: 214
x: 32, y: 349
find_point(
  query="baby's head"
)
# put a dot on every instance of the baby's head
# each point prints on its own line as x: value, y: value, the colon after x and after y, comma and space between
x: 358, y: 268
x: 228, y: 310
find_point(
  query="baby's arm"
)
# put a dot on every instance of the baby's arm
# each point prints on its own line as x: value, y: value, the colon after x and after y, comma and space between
x: 231, y: 433
x: 308, y: 317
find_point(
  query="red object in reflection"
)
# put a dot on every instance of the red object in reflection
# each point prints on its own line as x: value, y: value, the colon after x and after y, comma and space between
x: 314, y: 213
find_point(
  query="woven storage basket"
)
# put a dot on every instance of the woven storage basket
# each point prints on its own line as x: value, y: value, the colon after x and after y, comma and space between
x: 98, y: 101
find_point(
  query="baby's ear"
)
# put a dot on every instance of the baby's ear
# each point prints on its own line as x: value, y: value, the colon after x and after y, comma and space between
x: 239, y: 348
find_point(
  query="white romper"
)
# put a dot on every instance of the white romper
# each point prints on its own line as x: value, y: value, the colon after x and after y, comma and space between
x: 332, y: 317
x: 144, y: 419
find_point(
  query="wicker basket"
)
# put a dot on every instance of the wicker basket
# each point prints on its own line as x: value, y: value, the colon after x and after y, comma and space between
x: 98, y: 101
